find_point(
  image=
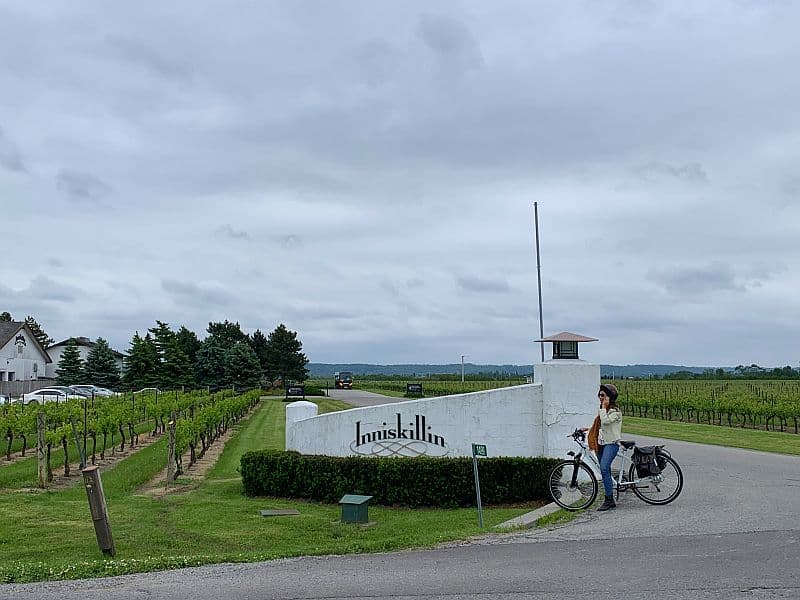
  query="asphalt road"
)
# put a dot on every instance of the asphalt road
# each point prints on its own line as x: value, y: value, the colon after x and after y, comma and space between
x: 361, y: 398
x: 733, y: 533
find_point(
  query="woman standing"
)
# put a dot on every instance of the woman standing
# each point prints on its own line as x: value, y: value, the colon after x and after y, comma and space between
x: 607, y: 431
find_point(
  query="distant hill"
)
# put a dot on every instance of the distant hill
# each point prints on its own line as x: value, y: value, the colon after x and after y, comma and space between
x: 420, y: 370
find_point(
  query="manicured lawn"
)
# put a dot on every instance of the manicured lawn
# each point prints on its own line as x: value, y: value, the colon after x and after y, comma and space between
x: 49, y: 535
x: 733, y: 437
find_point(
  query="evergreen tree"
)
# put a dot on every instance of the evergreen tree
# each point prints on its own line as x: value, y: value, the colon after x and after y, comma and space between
x: 226, y: 333
x: 69, y: 370
x: 39, y: 333
x: 210, y: 367
x: 101, y: 365
x: 258, y: 342
x: 141, y: 363
x: 284, y: 357
x: 162, y: 337
x: 187, y: 340
x: 242, y: 367
x: 5, y: 317
x: 176, y: 370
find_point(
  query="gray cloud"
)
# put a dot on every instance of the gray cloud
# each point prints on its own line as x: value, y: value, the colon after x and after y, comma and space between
x: 81, y: 187
x: 185, y: 292
x: 698, y: 280
x: 41, y: 289
x: 477, y: 284
x: 451, y: 41
x: 689, y: 172
x: 227, y: 231
x: 135, y: 52
x: 291, y: 240
x: 10, y: 156
x: 375, y: 155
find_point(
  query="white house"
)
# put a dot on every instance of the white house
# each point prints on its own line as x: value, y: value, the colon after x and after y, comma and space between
x: 22, y: 359
x: 85, y: 346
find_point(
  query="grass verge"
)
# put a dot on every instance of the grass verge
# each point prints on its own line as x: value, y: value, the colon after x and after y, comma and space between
x: 49, y: 535
x: 765, y: 441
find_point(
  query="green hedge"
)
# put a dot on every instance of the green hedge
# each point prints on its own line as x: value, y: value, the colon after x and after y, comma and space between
x: 420, y: 481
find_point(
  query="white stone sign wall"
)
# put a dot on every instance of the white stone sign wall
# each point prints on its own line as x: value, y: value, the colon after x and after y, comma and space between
x: 525, y: 420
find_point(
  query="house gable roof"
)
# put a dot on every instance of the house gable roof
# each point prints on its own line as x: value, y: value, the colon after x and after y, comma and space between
x: 86, y: 343
x: 8, y: 329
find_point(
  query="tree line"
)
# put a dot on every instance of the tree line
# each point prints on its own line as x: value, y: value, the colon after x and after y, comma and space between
x: 171, y: 359
x: 753, y: 371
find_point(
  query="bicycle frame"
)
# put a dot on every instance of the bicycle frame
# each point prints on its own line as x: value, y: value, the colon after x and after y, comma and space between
x: 588, y: 457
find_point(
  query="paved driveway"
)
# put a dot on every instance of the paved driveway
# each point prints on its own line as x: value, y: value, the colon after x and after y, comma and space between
x: 359, y: 398
x: 725, y: 491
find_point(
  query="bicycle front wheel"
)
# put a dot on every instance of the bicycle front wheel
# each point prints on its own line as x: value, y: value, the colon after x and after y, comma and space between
x: 572, y: 486
x: 659, y: 489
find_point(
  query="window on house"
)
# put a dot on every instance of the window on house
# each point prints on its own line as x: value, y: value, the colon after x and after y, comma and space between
x: 11, y: 376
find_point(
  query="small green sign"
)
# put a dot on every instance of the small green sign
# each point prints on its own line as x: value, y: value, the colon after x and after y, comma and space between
x: 479, y: 450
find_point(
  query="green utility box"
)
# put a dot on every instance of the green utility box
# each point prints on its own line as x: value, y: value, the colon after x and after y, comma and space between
x: 354, y: 508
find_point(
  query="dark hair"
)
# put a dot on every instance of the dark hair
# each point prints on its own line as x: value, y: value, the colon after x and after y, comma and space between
x: 611, y: 391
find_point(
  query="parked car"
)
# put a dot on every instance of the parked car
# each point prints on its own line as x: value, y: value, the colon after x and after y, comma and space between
x: 5, y: 399
x: 88, y: 389
x: 50, y: 394
x: 150, y: 390
x: 74, y: 389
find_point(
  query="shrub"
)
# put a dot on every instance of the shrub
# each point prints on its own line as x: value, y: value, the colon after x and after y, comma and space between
x: 419, y: 481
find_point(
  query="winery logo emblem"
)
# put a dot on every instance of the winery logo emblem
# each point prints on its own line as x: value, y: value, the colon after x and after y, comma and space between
x: 399, y: 438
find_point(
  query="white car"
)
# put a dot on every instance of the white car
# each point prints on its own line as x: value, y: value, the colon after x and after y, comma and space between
x: 48, y: 395
x: 150, y: 390
x: 89, y: 389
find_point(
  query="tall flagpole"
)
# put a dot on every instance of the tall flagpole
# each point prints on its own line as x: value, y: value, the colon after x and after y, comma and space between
x: 539, y: 274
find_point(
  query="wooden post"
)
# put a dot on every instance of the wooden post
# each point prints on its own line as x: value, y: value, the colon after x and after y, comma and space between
x: 97, y: 506
x: 171, y: 461
x: 40, y: 449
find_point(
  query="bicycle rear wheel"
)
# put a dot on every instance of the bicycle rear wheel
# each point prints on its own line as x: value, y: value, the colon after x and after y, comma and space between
x: 659, y: 489
x: 572, y: 486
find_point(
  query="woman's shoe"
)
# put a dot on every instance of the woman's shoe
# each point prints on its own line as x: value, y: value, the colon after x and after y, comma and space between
x: 608, y: 504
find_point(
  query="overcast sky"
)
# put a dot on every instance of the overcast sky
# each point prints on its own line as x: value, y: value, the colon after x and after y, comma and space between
x: 365, y: 173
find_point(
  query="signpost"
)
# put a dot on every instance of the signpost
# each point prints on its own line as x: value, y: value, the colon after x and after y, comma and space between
x: 296, y: 391
x: 478, y: 450
x: 414, y: 389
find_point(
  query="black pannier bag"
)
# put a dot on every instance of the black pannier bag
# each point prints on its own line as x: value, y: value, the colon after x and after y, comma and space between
x: 646, y: 460
x: 661, y: 453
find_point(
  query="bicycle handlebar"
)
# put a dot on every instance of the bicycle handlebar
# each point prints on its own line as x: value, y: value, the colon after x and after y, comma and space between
x: 578, y: 434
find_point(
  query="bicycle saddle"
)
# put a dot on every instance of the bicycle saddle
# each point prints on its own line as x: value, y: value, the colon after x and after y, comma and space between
x: 627, y: 444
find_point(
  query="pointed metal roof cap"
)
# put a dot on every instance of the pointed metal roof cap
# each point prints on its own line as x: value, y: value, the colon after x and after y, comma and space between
x: 566, y: 336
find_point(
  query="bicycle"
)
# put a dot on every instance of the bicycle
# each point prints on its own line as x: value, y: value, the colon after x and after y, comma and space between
x: 574, y: 484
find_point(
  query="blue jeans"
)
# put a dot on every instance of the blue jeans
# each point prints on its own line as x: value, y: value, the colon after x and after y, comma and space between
x: 606, y: 453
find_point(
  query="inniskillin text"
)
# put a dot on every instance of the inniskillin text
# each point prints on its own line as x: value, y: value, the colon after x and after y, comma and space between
x: 419, y: 430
